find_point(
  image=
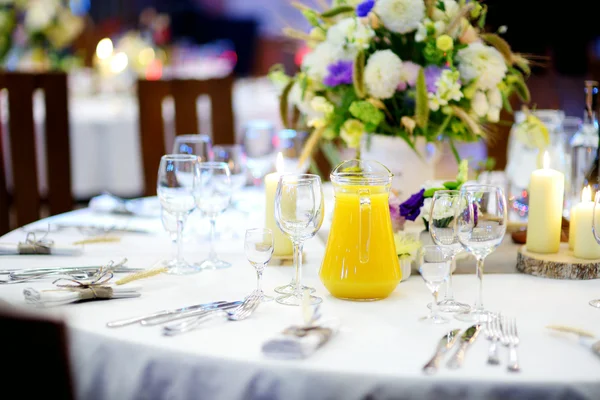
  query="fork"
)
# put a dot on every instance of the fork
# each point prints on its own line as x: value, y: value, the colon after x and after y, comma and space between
x: 239, y: 313
x: 510, y: 339
x: 492, y: 330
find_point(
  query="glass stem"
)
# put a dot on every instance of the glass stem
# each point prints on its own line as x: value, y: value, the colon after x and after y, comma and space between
x: 212, y: 254
x: 434, y: 305
x: 449, y: 295
x: 479, y: 272
x: 259, y: 273
x: 179, y: 257
x: 298, y: 264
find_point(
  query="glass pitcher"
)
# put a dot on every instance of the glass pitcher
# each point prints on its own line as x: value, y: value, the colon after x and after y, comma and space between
x: 360, y: 260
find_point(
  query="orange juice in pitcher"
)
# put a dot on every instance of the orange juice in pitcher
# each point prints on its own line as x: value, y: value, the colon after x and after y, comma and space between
x: 360, y: 260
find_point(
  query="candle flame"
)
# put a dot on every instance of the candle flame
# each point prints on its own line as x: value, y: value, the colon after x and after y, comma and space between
x: 104, y: 49
x: 546, y: 162
x: 279, y: 165
x: 586, y: 195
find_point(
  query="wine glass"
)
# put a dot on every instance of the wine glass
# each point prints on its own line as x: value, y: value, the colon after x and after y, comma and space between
x: 595, y: 302
x: 258, y: 140
x: 481, y: 225
x: 175, y: 190
x: 434, y: 267
x: 299, y: 214
x: 234, y: 156
x: 258, y: 245
x: 198, y: 145
x: 290, y: 143
x: 212, y: 192
x: 443, y: 232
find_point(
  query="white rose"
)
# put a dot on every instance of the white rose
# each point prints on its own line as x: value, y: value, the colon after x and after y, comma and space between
x: 451, y: 9
x: 350, y: 31
x: 316, y: 62
x: 383, y: 74
x: 401, y: 16
x: 480, y: 104
x: 482, y: 64
x: 494, y: 97
x: 493, y: 115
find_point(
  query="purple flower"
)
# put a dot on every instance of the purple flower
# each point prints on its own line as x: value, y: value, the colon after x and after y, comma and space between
x: 363, y: 9
x: 397, y: 219
x: 411, y: 208
x: 339, y: 73
x: 432, y: 74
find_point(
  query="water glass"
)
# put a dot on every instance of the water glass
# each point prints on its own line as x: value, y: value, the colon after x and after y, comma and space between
x: 481, y: 224
x: 175, y: 190
x: 258, y: 246
x: 299, y: 214
x: 595, y: 302
x: 197, y: 145
x: 258, y: 141
x: 434, y: 267
x: 442, y: 228
x: 212, y: 192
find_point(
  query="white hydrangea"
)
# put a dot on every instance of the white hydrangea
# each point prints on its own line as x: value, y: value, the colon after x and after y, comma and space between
x: 429, y: 26
x: 451, y: 9
x: 350, y: 32
x: 483, y: 64
x: 448, y: 89
x: 315, y: 63
x: 40, y: 14
x: 383, y: 74
x: 401, y: 16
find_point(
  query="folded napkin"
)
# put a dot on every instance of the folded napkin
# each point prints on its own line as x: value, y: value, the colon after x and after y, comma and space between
x: 108, y: 203
x: 65, y: 295
x: 297, y: 342
x: 32, y: 248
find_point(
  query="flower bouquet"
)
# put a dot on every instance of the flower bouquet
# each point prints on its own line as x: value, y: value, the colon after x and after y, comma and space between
x: 406, y: 68
x: 37, y: 34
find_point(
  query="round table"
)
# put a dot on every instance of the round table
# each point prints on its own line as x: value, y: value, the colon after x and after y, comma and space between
x: 377, y: 354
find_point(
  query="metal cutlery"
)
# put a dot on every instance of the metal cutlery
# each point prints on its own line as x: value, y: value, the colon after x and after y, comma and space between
x: 163, y: 313
x: 241, y: 312
x: 444, y: 345
x: 510, y: 339
x: 163, y: 319
x: 492, y: 331
x: 467, y: 338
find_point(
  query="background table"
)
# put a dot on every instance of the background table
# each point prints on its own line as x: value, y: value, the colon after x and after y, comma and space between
x: 378, y: 352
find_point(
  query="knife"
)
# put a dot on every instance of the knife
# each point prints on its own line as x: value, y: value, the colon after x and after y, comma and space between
x: 466, y: 339
x: 444, y: 345
x: 163, y: 319
x: 134, y: 320
x: 587, y: 339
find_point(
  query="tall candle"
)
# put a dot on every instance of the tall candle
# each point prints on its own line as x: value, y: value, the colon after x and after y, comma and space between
x: 572, y: 228
x: 546, y: 194
x: 584, y: 243
x: 282, y: 245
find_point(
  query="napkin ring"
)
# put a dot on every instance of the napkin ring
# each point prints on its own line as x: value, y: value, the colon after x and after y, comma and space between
x: 34, y: 246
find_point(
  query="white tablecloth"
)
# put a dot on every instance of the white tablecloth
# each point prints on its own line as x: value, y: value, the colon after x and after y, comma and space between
x: 378, y: 353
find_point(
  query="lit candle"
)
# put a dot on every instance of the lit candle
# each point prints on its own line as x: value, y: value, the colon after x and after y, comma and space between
x: 282, y: 245
x: 572, y: 228
x: 546, y: 194
x: 584, y: 243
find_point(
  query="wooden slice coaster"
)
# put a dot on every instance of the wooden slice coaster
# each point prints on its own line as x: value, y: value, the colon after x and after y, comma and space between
x: 561, y: 265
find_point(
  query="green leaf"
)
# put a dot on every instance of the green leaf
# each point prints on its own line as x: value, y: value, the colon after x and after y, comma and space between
x: 357, y: 78
x: 506, y: 102
x: 283, y: 103
x: 441, y: 5
x: 451, y: 185
x: 422, y: 102
x: 366, y: 112
x: 312, y: 17
x: 337, y: 11
x: 521, y: 89
x: 482, y: 16
x: 430, y: 192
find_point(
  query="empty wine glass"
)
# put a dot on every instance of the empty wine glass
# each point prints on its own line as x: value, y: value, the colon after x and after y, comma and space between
x: 212, y: 192
x: 595, y: 302
x: 481, y: 225
x: 258, y: 141
x: 197, y: 145
x: 258, y: 245
x: 234, y: 156
x: 175, y: 190
x: 443, y: 231
x: 434, y: 267
x: 299, y: 214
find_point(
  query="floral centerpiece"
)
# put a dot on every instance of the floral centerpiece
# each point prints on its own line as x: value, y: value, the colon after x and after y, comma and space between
x: 405, y: 68
x: 37, y: 34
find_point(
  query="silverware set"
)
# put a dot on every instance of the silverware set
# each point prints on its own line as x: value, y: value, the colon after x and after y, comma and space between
x: 499, y: 330
x: 79, y: 272
x: 186, y: 319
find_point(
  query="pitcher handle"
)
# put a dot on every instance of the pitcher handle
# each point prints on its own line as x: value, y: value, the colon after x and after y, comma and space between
x: 364, y: 225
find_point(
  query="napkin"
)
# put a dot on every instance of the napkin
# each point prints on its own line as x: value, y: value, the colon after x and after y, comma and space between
x: 61, y: 295
x: 110, y: 204
x: 39, y: 248
x: 297, y: 342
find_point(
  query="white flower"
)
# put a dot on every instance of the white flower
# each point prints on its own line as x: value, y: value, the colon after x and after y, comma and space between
x: 481, y: 63
x: 428, y: 26
x: 322, y: 105
x: 383, y: 74
x: 494, y: 97
x: 426, y: 209
x: 480, y: 104
x: 40, y: 14
x: 451, y: 9
x: 493, y: 114
x: 448, y: 89
x: 302, y: 102
x: 350, y: 32
x: 401, y: 16
x: 315, y: 63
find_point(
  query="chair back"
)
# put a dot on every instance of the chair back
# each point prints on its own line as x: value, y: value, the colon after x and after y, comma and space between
x: 185, y: 92
x: 25, y: 196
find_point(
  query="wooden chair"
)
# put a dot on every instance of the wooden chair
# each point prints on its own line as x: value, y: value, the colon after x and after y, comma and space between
x: 35, y: 354
x: 25, y: 196
x: 184, y: 93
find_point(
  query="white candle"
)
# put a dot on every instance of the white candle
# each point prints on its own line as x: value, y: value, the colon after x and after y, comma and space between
x: 572, y: 228
x: 584, y: 243
x: 546, y: 195
x: 282, y: 245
